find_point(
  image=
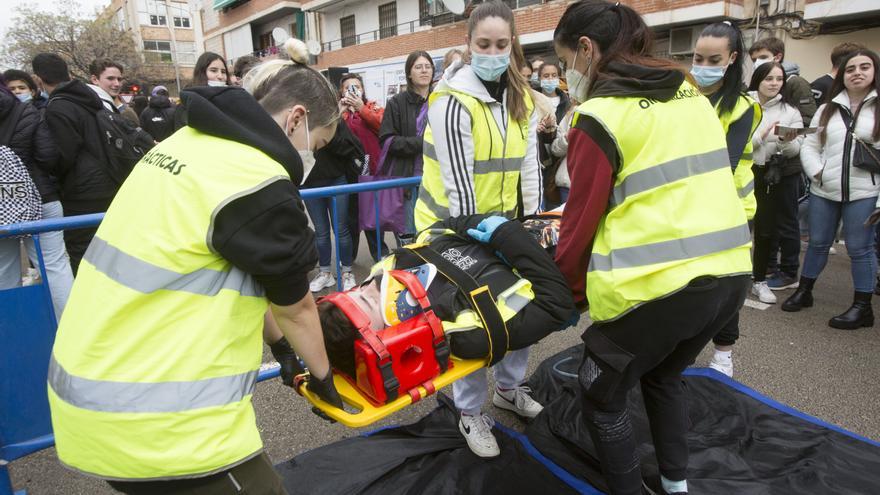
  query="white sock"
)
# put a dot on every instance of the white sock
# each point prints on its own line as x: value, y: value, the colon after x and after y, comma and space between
x: 675, y: 486
x: 471, y: 412
x: 723, y: 354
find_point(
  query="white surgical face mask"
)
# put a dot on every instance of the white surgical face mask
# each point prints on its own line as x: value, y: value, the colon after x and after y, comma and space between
x: 216, y: 83
x: 24, y: 97
x: 579, y: 84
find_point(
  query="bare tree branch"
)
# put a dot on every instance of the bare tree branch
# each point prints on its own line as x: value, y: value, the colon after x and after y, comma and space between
x: 77, y: 38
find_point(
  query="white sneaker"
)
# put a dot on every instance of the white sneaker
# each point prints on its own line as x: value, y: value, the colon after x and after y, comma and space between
x: 348, y: 281
x: 477, y: 432
x: 763, y: 293
x: 321, y: 282
x: 518, y: 401
x: 722, y: 363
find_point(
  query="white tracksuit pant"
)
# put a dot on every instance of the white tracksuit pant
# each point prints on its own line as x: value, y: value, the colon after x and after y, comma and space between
x: 471, y: 391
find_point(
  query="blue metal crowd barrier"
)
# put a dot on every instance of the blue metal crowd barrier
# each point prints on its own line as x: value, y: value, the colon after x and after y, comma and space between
x: 28, y: 325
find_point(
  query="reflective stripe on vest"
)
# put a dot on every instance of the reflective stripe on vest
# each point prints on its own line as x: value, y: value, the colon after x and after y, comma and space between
x: 675, y: 215
x: 157, y: 353
x: 134, y: 397
x: 147, y: 278
x: 671, y: 250
x: 497, y: 163
x: 680, y: 168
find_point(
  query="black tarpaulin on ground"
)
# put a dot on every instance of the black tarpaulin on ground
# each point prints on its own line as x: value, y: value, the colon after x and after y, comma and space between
x: 427, y: 457
x: 740, y: 442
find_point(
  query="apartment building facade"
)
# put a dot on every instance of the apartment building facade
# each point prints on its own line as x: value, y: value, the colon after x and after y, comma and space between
x: 167, y: 34
x: 234, y: 28
x: 373, y: 37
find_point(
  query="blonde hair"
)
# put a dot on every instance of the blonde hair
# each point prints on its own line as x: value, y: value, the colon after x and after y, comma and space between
x: 279, y: 84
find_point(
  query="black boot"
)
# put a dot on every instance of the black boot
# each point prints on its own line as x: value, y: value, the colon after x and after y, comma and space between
x: 858, y: 315
x: 802, y: 297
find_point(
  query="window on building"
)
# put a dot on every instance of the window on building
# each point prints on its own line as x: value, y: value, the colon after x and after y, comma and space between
x: 152, y: 13
x: 347, y: 30
x: 157, y: 51
x: 181, y: 22
x: 388, y: 20
x: 186, y: 53
x: 266, y: 41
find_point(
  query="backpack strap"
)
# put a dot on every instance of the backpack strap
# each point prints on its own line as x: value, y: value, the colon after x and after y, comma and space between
x: 480, y: 297
x: 9, y: 124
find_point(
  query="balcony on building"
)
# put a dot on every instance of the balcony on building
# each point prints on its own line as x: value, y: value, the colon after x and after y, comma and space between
x: 350, y: 23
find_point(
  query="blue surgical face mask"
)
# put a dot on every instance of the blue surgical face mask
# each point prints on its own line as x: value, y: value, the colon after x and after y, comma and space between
x: 44, y: 95
x: 706, y: 75
x: 24, y: 97
x: 534, y: 78
x: 549, y: 85
x: 489, y: 67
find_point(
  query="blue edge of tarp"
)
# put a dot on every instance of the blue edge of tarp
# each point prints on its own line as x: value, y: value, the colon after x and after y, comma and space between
x: 583, y: 487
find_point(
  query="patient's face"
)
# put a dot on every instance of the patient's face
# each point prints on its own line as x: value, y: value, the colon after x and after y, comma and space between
x: 368, y: 298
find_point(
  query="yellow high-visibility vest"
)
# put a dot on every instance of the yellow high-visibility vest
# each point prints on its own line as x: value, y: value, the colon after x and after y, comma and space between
x: 674, y: 214
x: 743, y: 176
x: 157, y: 353
x: 497, y: 163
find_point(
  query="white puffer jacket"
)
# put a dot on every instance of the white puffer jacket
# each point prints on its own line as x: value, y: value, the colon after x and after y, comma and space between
x: 775, y: 112
x: 824, y: 164
x: 559, y: 148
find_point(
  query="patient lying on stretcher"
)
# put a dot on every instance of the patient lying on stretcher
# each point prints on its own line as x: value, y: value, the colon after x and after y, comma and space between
x: 532, y: 296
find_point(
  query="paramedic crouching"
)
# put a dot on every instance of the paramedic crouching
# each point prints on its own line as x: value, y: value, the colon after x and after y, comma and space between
x: 653, y: 227
x: 533, y: 300
x: 157, y: 354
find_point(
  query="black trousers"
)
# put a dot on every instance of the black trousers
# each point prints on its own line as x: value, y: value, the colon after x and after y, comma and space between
x: 652, y: 345
x: 375, y: 251
x: 253, y: 477
x: 77, y: 240
x: 786, y: 236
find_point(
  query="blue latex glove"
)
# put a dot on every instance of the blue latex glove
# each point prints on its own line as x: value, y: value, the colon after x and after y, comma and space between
x: 486, y: 228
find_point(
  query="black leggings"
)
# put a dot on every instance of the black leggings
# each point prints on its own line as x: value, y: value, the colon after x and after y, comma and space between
x: 775, y: 225
x: 652, y: 345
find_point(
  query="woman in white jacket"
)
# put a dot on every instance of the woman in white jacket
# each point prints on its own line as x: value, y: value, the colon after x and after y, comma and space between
x: 775, y: 193
x: 841, y: 189
x: 559, y: 148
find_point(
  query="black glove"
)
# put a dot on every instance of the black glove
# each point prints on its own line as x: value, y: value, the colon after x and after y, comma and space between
x: 325, y: 389
x: 289, y: 361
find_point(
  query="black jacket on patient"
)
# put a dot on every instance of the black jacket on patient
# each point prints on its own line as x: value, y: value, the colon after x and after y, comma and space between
x: 550, y: 309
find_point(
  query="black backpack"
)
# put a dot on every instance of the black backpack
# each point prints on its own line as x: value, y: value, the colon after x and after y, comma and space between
x: 124, y: 143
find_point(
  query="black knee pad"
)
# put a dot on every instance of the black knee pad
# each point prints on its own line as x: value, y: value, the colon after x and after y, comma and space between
x: 602, y: 371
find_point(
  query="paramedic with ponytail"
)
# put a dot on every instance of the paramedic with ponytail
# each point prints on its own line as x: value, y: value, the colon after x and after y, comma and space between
x: 480, y: 157
x: 157, y: 353
x: 662, y: 272
x: 718, y: 70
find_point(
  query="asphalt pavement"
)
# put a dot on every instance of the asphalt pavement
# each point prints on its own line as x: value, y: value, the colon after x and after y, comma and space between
x: 794, y: 358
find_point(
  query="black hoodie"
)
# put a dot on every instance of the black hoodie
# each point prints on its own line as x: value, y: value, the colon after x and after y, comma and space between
x: 80, y: 170
x: 158, y: 118
x: 266, y: 232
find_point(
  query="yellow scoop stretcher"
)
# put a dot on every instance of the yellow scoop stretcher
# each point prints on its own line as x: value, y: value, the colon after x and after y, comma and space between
x: 368, y: 413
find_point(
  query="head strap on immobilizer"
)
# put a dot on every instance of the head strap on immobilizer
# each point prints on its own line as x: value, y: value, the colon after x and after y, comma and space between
x: 417, y: 290
x: 361, y: 321
x: 481, y: 299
